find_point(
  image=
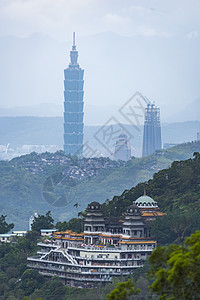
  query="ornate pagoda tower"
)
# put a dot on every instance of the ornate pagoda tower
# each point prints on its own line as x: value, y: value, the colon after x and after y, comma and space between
x: 73, y: 105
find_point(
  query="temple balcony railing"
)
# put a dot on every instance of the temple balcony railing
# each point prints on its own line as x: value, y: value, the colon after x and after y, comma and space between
x: 76, y: 278
x: 80, y: 267
x: 38, y: 259
x: 40, y: 244
x: 107, y: 259
x: 114, y: 267
x: 109, y: 249
x: 68, y: 276
x: 106, y: 234
x: 95, y: 248
x: 46, y: 267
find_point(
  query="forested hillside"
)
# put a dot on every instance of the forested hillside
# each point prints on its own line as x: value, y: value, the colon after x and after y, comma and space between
x: 177, y: 191
x: 24, y: 181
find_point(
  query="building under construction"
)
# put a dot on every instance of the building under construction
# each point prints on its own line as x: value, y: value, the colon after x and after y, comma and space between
x: 152, y: 130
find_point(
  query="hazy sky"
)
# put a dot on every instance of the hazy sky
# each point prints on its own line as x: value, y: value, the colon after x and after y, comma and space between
x: 124, y: 46
x: 58, y: 18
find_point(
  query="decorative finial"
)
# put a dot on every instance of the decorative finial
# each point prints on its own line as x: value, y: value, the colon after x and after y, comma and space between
x: 73, y: 52
x: 144, y: 192
x: 74, y: 39
x: 74, y: 42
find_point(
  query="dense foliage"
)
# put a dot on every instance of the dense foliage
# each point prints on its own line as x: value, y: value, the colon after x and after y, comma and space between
x: 123, y: 291
x: 4, y: 226
x: 13, y: 260
x: 176, y: 270
x: 21, y: 189
x: 43, y: 222
x: 75, y: 224
x: 177, y: 191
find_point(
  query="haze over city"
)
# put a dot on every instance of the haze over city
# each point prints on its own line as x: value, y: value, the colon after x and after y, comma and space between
x: 124, y: 46
x: 99, y: 149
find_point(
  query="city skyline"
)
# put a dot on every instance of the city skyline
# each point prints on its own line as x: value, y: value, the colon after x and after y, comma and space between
x: 161, y: 40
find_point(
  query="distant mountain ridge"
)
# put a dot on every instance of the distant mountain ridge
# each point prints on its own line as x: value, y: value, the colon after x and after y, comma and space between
x: 18, y: 131
x: 39, y: 110
x: 115, y: 68
x: 96, y: 114
x: 93, y: 114
x: 190, y: 112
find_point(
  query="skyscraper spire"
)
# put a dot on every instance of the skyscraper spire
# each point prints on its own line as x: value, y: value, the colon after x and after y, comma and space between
x: 73, y: 105
x: 74, y: 53
x: 74, y: 42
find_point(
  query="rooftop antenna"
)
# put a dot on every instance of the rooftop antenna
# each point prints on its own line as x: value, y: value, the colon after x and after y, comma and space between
x: 74, y: 42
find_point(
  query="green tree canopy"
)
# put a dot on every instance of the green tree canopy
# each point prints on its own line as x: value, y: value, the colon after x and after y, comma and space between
x: 75, y: 224
x: 43, y: 222
x: 176, y: 270
x: 51, y: 289
x: 123, y: 291
x: 4, y: 226
x: 30, y: 281
x: 28, y: 243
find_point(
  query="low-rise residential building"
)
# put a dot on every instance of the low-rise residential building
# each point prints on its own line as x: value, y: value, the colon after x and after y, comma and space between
x: 9, y: 237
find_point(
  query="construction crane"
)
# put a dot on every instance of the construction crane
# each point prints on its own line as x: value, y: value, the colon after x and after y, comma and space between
x: 7, y: 148
x: 148, y: 102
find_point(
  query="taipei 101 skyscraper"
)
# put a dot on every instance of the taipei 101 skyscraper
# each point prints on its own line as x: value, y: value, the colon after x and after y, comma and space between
x: 73, y: 105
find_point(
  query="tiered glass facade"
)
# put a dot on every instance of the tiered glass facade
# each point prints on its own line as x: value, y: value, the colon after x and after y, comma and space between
x: 73, y: 105
x: 152, y: 130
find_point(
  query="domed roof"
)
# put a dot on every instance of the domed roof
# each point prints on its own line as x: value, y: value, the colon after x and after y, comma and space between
x: 145, y: 201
